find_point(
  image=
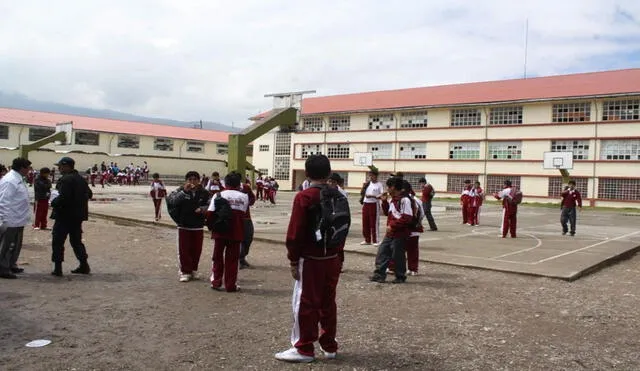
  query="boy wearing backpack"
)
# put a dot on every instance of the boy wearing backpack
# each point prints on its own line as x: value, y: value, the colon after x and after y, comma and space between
x: 187, y: 207
x: 399, y: 218
x: 510, y: 200
x: 312, y: 251
x: 226, y: 216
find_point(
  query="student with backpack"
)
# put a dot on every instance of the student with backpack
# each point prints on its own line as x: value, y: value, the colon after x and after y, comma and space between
x: 511, y: 198
x: 187, y: 207
x: 225, y: 217
x: 319, y: 225
x: 399, y: 219
x: 413, y: 244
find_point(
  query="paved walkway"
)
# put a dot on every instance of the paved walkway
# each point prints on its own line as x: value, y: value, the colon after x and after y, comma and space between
x: 540, y: 249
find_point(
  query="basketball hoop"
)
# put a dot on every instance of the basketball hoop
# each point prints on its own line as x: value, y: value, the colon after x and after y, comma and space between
x: 363, y: 159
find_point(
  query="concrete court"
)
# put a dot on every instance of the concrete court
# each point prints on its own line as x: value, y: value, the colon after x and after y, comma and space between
x: 540, y: 249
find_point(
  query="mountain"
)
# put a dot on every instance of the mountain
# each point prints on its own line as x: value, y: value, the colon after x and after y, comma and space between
x: 19, y: 101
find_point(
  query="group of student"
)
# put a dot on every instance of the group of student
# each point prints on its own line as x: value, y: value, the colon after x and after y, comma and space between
x: 113, y: 174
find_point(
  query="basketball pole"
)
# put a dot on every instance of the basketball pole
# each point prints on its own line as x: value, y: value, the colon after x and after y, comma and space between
x: 565, y: 176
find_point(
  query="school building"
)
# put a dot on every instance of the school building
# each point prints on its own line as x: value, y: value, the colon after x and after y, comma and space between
x: 169, y: 150
x: 487, y: 131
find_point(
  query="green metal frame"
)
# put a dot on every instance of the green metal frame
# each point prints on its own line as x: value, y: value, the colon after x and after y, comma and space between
x: 237, y: 156
x: 26, y: 148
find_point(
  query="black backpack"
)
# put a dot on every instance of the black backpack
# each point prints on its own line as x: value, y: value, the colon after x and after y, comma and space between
x: 172, y: 206
x: 223, y: 214
x: 416, y: 219
x: 363, y: 192
x: 332, y: 218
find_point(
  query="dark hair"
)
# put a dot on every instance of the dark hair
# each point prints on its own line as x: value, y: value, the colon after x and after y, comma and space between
x: 467, y: 181
x: 45, y: 170
x: 572, y: 182
x: 233, y: 179
x: 215, y: 173
x: 317, y: 167
x: 422, y: 180
x: 155, y: 175
x: 406, y: 186
x: 192, y: 174
x: 507, y: 183
x: 20, y: 163
x: 395, y: 182
x: 335, y: 177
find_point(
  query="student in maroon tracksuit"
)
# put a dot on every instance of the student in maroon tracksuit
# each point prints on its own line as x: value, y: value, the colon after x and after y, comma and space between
x: 479, y: 199
x: 248, y: 227
x: 570, y: 199
x: 370, y: 195
x: 316, y: 272
x: 427, y: 196
x: 41, y: 193
x: 226, y: 246
x: 412, y: 247
x: 509, y: 209
x: 260, y: 188
x: 464, y: 201
x: 157, y: 193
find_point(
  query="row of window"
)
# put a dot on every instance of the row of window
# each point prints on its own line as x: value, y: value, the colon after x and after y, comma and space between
x: 613, y: 110
x: 87, y: 138
x: 609, y: 150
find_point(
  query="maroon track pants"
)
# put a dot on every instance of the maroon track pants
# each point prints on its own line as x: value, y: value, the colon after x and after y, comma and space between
x: 157, y: 204
x: 370, y: 221
x: 509, y: 222
x: 314, y: 302
x: 41, y: 210
x: 189, y: 249
x: 225, y: 264
x: 413, y: 254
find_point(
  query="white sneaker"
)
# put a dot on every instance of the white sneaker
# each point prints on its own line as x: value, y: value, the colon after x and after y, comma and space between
x: 389, y: 271
x: 292, y: 355
x: 413, y: 273
x: 329, y: 355
x: 194, y: 275
x: 376, y: 244
x: 365, y: 243
x: 185, y: 277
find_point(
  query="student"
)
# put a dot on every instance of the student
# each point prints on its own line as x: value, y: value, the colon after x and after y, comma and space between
x: 399, y: 217
x: 157, y: 193
x: 316, y: 272
x: 214, y: 185
x: 247, y: 225
x: 260, y: 188
x: 427, y: 196
x: 41, y: 194
x: 479, y: 195
x: 464, y: 201
x: 187, y: 207
x: 510, y: 200
x: 371, y: 194
x: 570, y: 199
x: 226, y: 245
x: 336, y: 181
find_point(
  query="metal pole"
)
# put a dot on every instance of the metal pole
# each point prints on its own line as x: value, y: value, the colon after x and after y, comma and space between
x: 526, y: 46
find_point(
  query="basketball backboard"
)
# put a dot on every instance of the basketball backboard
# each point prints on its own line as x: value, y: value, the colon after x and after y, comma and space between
x: 558, y: 160
x: 67, y: 128
x: 363, y: 159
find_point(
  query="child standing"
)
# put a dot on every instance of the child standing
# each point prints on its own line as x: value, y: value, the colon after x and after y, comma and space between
x: 42, y: 192
x: 158, y: 192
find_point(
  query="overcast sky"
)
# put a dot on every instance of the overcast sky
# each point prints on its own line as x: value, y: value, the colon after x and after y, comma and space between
x: 214, y: 59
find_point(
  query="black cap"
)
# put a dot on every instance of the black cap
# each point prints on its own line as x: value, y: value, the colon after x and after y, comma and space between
x: 66, y: 161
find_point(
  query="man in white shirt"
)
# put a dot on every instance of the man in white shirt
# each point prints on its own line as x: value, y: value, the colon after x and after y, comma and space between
x: 14, y: 215
x: 371, y: 193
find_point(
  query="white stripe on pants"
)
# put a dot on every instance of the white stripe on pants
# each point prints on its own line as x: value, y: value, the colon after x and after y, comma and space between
x: 295, y: 302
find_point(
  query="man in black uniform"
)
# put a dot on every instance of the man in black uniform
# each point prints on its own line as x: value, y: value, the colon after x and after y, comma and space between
x: 70, y: 209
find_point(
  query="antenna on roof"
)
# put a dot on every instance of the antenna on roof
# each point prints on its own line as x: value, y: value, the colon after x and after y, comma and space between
x: 526, y: 46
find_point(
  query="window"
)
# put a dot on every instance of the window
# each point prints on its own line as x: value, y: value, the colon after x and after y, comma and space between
x: 281, y: 167
x: 339, y: 123
x: 4, y: 132
x: 312, y: 124
x: 619, y: 189
x: 193, y: 146
x: 416, y: 119
x: 464, y: 151
x: 571, y: 112
x: 338, y: 151
x: 283, y: 144
x: 86, y: 138
x: 128, y: 141
x: 495, y: 183
x: 505, y: 150
x: 310, y: 149
x: 381, y: 122
x: 455, y: 182
x: 263, y: 148
x: 465, y: 117
x: 413, y: 150
x: 621, y: 110
x: 381, y: 151
x: 222, y: 148
x: 580, y: 148
x: 555, y: 186
x: 263, y: 172
x: 620, y: 150
x: 39, y: 133
x: 505, y: 115
x: 413, y: 179
x: 163, y: 144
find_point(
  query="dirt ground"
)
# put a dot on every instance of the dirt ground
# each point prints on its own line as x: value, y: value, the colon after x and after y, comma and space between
x: 133, y: 314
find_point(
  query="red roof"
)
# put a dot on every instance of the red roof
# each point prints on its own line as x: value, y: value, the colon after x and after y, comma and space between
x: 564, y: 86
x: 16, y: 116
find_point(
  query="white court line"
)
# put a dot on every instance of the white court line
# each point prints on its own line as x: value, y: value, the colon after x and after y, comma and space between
x: 523, y: 250
x: 586, y: 247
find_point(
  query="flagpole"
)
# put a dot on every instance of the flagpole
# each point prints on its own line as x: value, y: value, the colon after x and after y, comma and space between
x: 526, y: 46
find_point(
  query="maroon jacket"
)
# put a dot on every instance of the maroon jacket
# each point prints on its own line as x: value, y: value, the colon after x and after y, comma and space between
x: 426, y: 193
x: 246, y: 189
x: 398, y: 218
x: 301, y: 241
x: 571, y: 198
x: 239, y: 207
